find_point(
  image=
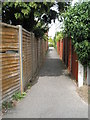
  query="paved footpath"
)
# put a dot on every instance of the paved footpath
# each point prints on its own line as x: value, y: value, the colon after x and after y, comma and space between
x: 52, y: 96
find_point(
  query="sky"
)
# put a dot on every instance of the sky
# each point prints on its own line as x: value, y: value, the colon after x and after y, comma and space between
x: 55, y: 27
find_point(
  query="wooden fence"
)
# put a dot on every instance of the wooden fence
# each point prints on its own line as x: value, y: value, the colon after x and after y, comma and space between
x: 9, y: 54
x: 69, y: 56
x: 1, y: 76
x: 21, y: 55
x: 61, y: 49
x: 0, y: 61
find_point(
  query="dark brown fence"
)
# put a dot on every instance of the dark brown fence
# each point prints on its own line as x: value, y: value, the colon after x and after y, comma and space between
x: 21, y: 55
x: 69, y: 56
x: 61, y: 49
x: 74, y: 64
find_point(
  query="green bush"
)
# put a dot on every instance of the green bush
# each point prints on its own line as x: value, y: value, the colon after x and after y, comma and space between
x: 83, y: 52
x: 76, y: 26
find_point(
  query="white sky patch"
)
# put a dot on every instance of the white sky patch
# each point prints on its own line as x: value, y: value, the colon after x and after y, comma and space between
x: 55, y: 7
x: 54, y: 27
x: 51, y: 32
x: 74, y: 1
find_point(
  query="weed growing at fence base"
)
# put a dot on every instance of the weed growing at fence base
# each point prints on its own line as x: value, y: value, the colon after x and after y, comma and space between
x: 6, y: 105
x: 18, y: 96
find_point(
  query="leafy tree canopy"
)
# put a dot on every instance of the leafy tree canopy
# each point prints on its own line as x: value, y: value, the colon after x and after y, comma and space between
x: 51, y: 40
x: 59, y: 36
x: 33, y: 16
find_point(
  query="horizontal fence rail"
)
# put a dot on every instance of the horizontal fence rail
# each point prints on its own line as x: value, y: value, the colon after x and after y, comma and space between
x: 9, y: 55
x: 21, y: 57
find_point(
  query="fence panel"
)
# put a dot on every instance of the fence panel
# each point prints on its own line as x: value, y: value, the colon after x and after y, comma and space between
x: 69, y: 55
x: 9, y: 39
x: 39, y: 53
x: 74, y: 64
x: 61, y: 49
x: 20, y: 55
x: 27, y: 57
x: 58, y: 46
x: 9, y: 55
x: 34, y: 52
x: 66, y: 51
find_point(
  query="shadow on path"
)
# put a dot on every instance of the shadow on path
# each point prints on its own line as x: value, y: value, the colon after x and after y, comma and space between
x: 52, y: 96
x: 52, y: 67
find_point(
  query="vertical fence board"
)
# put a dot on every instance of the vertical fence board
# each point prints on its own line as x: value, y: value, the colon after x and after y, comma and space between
x: 58, y: 46
x: 61, y: 49
x: 21, y: 57
x: 69, y: 55
x: 74, y: 64
x: 27, y: 57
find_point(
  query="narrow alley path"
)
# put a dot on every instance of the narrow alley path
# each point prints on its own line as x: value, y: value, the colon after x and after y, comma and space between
x: 52, y: 96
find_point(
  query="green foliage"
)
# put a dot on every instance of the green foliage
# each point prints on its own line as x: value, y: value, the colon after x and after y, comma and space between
x: 45, y: 37
x: 76, y: 22
x: 76, y: 26
x: 18, y: 96
x: 33, y: 16
x: 7, y: 105
x: 55, y: 41
x: 51, y: 42
x: 83, y: 52
x: 59, y: 36
x: 51, y: 45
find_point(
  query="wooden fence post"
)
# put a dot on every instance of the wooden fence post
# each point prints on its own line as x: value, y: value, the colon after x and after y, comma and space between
x: 1, y: 62
x: 21, y: 57
x: 1, y: 74
x: 88, y: 75
x: 32, y: 40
